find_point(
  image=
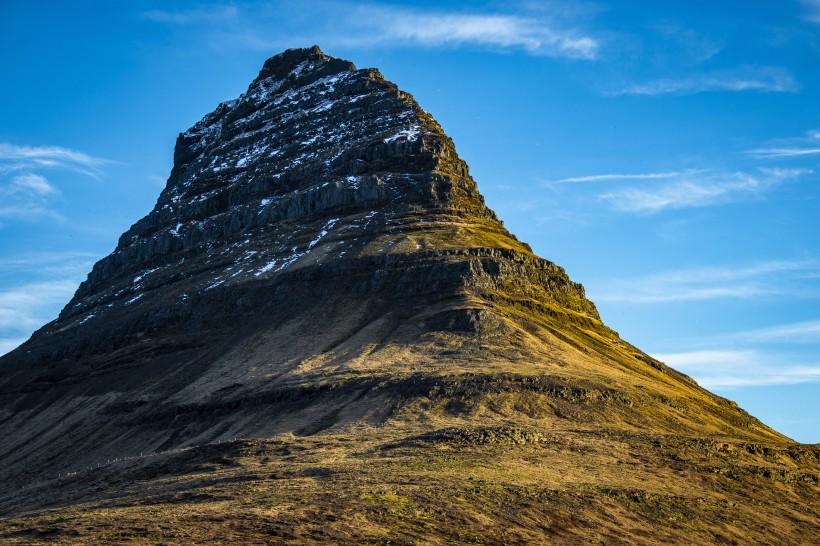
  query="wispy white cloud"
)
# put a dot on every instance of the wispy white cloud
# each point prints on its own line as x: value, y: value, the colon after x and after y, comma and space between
x: 25, y: 196
x: 550, y: 33
x: 782, y: 335
x: 740, y: 368
x: 433, y: 29
x: 9, y: 344
x: 24, y: 192
x: 798, y: 332
x: 26, y: 307
x: 618, y: 177
x: 51, y: 265
x: 30, y: 184
x: 736, y: 359
x: 21, y: 158
x: 813, y: 7
x: 698, y: 189
x: 686, y: 44
x: 789, y: 148
x: 210, y: 14
x: 22, y: 306
x: 775, y: 277
x: 777, y: 153
x: 769, y: 79
x: 36, y: 287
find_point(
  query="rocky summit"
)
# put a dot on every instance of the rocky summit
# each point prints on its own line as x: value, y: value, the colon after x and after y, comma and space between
x: 320, y: 333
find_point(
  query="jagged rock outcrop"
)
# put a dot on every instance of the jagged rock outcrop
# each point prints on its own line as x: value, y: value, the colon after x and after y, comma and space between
x: 320, y: 258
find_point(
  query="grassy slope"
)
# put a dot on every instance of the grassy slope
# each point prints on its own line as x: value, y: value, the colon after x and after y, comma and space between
x: 495, y: 485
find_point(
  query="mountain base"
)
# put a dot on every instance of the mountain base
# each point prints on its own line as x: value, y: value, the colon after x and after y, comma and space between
x: 383, y: 485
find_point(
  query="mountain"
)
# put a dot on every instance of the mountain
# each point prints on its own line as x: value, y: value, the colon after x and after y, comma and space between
x: 321, y: 333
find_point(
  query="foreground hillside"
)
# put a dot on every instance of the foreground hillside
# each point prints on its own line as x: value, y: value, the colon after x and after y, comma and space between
x: 493, y: 485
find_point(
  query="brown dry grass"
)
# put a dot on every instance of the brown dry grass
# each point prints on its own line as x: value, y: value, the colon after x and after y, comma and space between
x: 459, y: 485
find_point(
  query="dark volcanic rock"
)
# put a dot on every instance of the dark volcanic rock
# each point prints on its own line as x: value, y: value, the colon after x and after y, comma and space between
x: 312, y: 138
x: 321, y: 256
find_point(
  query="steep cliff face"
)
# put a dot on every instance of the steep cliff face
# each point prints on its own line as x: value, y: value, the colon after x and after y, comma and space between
x: 320, y: 257
x: 313, y: 139
x: 316, y: 164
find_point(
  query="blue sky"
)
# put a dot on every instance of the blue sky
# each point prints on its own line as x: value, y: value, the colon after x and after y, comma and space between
x: 666, y: 154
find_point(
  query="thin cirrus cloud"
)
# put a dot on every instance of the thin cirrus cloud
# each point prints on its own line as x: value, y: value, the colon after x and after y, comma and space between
x: 697, y: 189
x: 768, y: 79
x: 21, y: 158
x: 782, y: 153
x: 379, y: 25
x: 789, y: 148
x: 28, y: 306
x: 213, y: 14
x: 727, y: 368
x: 733, y: 360
x: 813, y: 7
x: 9, y: 344
x: 28, y: 184
x: 21, y: 306
x: 27, y: 195
x: 794, y: 147
x: 25, y: 192
x: 36, y: 285
x: 785, y: 336
x: 797, y: 332
x: 617, y: 177
x: 51, y: 265
x: 782, y: 278
x: 535, y: 36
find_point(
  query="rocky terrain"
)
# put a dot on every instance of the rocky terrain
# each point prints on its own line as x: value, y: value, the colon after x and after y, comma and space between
x: 320, y: 333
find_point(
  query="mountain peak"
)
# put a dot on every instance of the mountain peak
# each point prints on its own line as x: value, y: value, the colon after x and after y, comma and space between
x: 312, y: 140
x: 303, y: 65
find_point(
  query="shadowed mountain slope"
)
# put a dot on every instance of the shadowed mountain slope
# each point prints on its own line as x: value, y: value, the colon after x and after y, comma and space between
x: 321, y: 264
